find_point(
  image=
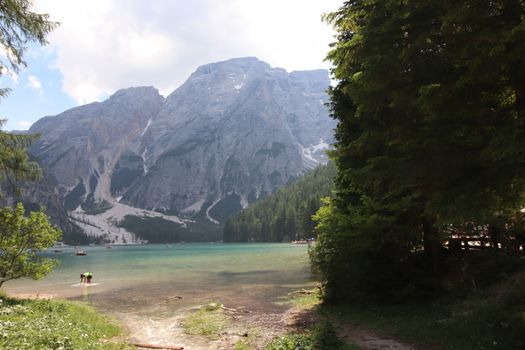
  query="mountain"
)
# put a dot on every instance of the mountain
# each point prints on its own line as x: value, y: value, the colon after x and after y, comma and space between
x: 234, y: 132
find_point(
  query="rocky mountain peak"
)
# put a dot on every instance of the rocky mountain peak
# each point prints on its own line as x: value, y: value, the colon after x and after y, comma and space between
x: 235, y: 131
x: 235, y: 64
x: 136, y: 92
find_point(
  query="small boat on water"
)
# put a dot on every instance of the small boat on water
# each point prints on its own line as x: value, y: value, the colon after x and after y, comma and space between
x: 81, y: 253
x: 304, y: 241
x: 109, y: 247
x: 57, y: 251
x: 300, y: 241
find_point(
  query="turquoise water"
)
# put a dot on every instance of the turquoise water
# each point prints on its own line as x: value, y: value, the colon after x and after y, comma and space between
x: 149, y: 278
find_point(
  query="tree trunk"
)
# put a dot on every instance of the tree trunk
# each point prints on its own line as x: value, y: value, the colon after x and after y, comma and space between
x: 432, y: 244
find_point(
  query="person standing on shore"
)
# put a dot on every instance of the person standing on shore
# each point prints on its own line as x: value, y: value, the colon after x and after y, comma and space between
x: 86, y: 277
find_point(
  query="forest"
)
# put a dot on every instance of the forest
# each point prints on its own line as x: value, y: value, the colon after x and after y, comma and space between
x: 430, y: 146
x: 287, y: 214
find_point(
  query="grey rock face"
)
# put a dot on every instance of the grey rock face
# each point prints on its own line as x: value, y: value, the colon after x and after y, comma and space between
x: 234, y: 131
x: 81, y: 146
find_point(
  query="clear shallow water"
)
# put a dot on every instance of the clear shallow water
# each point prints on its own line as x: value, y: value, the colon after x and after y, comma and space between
x: 146, y: 279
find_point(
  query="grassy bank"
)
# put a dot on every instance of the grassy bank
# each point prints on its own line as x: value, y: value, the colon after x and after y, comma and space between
x: 208, y: 321
x: 489, y: 318
x: 49, y: 324
x: 493, y: 318
x: 321, y: 335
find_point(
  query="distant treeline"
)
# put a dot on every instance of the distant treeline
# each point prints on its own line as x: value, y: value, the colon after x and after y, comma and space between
x: 159, y: 230
x: 285, y: 215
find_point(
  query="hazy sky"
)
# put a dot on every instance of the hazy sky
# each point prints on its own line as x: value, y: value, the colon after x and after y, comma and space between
x: 105, y: 45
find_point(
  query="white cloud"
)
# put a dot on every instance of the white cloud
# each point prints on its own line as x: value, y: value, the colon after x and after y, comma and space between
x: 34, y: 83
x: 24, y: 124
x: 104, y: 45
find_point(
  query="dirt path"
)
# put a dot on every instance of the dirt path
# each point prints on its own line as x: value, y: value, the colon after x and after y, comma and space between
x: 366, y: 339
x: 255, y: 329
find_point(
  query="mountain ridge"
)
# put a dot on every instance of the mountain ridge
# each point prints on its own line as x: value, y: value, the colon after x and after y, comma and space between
x: 235, y: 131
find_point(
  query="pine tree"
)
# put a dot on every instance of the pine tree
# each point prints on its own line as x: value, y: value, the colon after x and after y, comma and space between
x: 430, y: 104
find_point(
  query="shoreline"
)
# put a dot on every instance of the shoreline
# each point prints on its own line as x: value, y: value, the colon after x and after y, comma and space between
x: 244, y: 323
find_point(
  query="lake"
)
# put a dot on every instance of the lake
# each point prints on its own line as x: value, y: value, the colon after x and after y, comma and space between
x: 149, y: 279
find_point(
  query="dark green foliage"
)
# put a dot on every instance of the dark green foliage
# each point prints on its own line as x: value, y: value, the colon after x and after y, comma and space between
x: 360, y: 259
x: 158, y: 230
x: 15, y: 165
x: 47, y: 324
x: 322, y: 337
x: 492, y: 318
x: 21, y: 239
x: 74, y: 235
x: 431, y: 108
x: 226, y: 207
x: 154, y: 230
x: 285, y: 214
x: 73, y: 199
x: 480, y: 270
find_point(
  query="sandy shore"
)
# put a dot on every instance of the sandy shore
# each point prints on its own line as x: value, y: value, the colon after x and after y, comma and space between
x: 32, y: 296
x: 255, y: 329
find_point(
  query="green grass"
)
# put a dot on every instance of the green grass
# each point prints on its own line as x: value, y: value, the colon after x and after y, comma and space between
x: 207, y: 321
x: 251, y: 342
x: 487, y: 320
x: 318, y: 338
x: 322, y: 337
x: 242, y: 346
x: 305, y: 301
x: 48, y: 324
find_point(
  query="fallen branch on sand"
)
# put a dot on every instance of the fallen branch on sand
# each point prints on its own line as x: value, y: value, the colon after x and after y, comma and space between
x: 234, y: 310
x: 303, y: 291
x: 228, y: 308
x: 156, y: 346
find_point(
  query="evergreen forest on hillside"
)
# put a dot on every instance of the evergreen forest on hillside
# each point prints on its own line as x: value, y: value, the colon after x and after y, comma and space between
x: 287, y: 214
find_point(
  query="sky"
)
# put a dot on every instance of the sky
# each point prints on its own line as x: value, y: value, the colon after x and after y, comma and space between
x: 105, y: 45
